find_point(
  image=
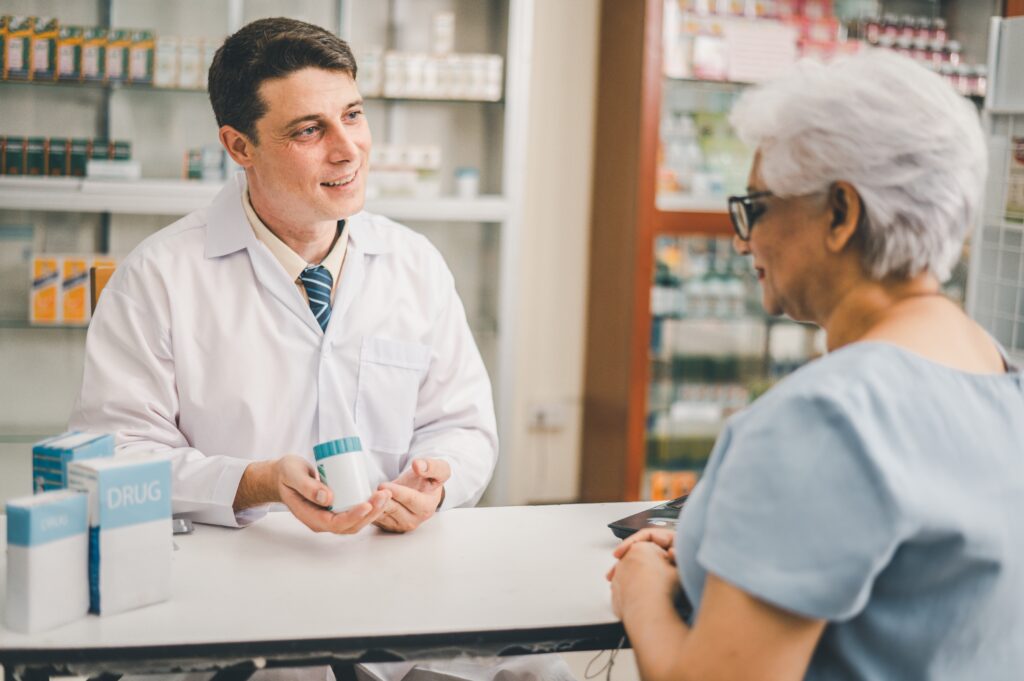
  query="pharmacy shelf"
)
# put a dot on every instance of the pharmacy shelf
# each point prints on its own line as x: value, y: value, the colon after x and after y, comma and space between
x: 146, y: 87
x: 25, y: 324
x: 670, y: 203
x: 178, y: 197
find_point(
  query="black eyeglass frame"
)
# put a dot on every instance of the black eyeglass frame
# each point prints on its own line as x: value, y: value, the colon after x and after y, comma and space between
x: 746, y: 204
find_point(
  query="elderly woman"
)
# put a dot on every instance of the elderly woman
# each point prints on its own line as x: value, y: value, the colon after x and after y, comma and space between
x: 865, y: 518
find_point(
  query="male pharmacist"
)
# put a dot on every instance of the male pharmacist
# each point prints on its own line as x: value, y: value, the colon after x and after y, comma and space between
x: 282, y: 315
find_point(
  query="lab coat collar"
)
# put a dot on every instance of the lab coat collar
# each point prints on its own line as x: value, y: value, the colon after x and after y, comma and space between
x: 228, y: 231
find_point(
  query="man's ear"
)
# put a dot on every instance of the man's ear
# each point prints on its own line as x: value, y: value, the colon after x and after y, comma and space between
x: 239, y: 146
x: 845, y: 207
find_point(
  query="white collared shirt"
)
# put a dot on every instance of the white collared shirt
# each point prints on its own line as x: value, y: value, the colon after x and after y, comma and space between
x: 203, y: 347
x: 291, y: 261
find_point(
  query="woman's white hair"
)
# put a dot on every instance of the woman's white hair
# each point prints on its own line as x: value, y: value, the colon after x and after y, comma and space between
x: 901, y: 135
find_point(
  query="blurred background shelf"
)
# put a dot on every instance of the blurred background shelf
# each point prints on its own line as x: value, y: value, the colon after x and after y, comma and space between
x: 178, y: 197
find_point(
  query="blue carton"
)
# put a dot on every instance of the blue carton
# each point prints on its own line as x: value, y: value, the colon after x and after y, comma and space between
x: 50, y: 457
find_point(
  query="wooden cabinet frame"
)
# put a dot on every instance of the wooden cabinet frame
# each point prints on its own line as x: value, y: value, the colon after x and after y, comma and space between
x: 625, y: 224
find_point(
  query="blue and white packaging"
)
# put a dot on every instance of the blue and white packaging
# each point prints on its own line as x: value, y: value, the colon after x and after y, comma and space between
x: 130, y: 543
x: 47, y: 561
x: 50, y: 457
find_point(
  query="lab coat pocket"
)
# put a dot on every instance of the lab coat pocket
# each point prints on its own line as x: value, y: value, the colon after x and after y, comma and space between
x: 390, y: 372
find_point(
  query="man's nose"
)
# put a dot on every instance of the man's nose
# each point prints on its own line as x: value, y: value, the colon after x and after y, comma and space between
x: 342, y: 145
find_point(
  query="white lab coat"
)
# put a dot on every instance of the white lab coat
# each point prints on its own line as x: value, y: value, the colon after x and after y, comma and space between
x: 202, y: 346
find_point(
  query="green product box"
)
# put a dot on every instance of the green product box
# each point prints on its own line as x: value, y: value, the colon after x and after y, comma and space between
x: 18, y: 48
x: 14, y: 158
x: 35, y: 156
x: 57, y: 156
x: 118, y: 43
x: 121, y: 150
x: 679, y: 452
x: 100, y: 149
x: 141, y: 58
x: 69, y: 53
x: 78, y: 155
x: 194, y: 164
x: 93, y: 66
x: 44, y: 48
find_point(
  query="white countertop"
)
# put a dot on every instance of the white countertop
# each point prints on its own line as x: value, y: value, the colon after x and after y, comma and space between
x: 465, y: 570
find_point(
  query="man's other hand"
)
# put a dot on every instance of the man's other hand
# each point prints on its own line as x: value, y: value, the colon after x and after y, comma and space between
x: 416, y: 495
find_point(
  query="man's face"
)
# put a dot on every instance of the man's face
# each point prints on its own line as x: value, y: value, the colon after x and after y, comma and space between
x: 313, y: 153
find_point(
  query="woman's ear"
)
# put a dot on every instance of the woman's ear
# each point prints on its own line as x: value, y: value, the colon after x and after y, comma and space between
x: 845, y: 207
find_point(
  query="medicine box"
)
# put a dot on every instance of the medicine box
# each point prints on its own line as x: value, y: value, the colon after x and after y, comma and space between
x: 130, y: 545
x: 94, y: 54
x: 118, y: 44
x: 47, y: 561
x: 74, y: 295
x: 69, y: 53
x: 17, y: 48
x: 44, y: 49
x: 140, y: 57
x: 44, y: 296
x: 50, y: 458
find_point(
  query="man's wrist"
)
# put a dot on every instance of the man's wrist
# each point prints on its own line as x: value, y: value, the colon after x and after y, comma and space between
x: 258, y: 486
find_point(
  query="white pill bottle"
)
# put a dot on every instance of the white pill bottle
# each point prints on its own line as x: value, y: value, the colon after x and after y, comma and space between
x: 341, y: 465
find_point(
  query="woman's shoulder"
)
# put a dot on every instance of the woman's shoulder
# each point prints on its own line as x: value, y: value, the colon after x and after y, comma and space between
x: 859, y: 375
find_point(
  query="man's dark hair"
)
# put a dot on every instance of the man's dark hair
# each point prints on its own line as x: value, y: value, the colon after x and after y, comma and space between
x: 260, y: 51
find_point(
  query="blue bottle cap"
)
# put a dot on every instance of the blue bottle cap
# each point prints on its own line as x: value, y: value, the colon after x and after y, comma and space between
x: 341, y: 446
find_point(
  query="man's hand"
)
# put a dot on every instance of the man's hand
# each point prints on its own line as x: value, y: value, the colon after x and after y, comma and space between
x: 292, y: 481
x: 416, y: 495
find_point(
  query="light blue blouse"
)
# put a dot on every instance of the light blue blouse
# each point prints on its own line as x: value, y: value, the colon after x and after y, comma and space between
x: 884, y: 493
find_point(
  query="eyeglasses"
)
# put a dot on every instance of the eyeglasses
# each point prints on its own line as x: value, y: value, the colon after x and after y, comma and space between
x: 744, y: 212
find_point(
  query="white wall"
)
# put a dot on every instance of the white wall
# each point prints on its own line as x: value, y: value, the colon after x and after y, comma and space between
x: 554, y: 251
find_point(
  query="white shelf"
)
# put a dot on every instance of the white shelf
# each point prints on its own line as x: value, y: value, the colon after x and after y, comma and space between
x: 691, y: 203
x: 178, y: 197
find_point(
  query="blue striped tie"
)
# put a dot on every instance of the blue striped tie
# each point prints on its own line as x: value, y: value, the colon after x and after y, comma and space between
x: 317, y: 281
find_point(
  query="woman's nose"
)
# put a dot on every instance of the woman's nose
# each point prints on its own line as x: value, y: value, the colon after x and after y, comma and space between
x: 742, y: 247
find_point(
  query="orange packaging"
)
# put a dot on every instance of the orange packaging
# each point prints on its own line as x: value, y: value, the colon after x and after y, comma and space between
x: 45, y: 293
x: 100, y: 273
x: 74, y: 297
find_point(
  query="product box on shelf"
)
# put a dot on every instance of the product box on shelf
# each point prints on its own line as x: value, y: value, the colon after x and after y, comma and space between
x: 14, y: 155
x: 35, y: 156
x: 99, y: 149
x: 69, y: 53
x: 74, y: 294
x: 119, y: 42
x: 94, y: 54
x: 58, y: 151
x: 130, y: 546
x: 18, y: 48
x: 190, y: 64
x: 210, y: 48
x: 165, y: 70
x: 1015, y: 181
x: 78, y: 156
x: 47, y: 561
x: 44, y: 48
x: 140, y: 58
x: 371, y: 74
x: 44, y: 295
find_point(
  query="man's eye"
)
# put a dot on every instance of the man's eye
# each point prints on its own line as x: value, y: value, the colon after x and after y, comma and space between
x: 308, y: 132
x: 353, y: 115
